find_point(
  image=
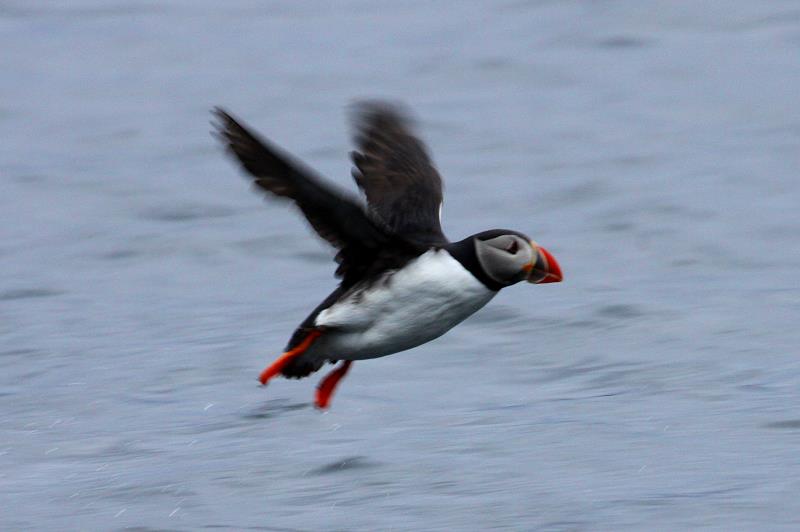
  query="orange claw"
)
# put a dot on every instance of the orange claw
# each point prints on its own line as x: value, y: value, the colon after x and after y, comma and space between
x: 276, y: 367
x: 328, y: 385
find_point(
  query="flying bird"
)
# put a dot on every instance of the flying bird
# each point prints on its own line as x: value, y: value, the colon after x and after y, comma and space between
x: 403, y: 283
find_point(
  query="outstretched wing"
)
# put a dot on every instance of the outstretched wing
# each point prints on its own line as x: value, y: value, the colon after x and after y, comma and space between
x: 336, y: 218
x: 393, y: 169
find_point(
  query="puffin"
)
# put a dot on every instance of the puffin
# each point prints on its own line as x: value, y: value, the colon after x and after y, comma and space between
x: 402, y: 282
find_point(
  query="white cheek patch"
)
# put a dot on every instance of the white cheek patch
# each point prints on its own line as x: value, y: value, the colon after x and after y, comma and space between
x: 497, y: 260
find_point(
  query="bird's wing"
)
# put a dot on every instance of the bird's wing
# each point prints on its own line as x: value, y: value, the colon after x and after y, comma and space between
x: 393, y: 169
x: 336, y: 218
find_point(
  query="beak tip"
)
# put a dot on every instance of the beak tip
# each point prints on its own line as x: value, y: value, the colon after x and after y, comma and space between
x: 551, y: 279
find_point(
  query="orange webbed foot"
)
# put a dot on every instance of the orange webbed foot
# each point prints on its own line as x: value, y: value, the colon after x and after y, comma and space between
x: 328, y: 385
x: 276, y: 367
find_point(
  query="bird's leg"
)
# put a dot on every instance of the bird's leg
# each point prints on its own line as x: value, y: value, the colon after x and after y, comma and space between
x: 328, y: 385
x: 276, y: 367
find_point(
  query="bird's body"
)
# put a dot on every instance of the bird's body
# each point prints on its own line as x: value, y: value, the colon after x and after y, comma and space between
x: 403, y: 283
x: 400, y: 310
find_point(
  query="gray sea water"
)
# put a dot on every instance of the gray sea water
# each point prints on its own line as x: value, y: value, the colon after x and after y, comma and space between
x: 653, y: 147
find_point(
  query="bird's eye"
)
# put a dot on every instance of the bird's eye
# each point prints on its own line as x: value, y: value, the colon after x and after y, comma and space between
x: 513, y: 247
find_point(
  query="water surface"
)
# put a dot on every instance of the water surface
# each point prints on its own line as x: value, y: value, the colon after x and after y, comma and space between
x: 652, y: 147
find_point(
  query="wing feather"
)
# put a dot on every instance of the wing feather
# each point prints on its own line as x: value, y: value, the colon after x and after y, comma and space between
x: 336, y: 218
x: 395, y: 173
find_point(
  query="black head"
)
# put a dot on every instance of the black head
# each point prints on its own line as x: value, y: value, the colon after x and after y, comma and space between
x: 502, y: 257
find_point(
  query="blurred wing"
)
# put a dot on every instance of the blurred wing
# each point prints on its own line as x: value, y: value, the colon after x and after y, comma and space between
x: 392, y: 168
x: 336, y: 218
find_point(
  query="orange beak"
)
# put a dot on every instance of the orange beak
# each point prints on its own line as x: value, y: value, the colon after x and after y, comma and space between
x: 544, y: 268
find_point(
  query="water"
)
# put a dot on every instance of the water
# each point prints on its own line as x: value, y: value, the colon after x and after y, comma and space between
x: 652, y: 147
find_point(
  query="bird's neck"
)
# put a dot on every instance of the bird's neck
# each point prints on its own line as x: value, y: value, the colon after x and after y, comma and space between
x: 464, y: 252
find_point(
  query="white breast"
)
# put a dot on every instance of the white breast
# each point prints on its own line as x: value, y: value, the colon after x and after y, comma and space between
x: 409, y: 307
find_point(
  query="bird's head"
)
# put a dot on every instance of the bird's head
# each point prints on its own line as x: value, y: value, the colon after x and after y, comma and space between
x: 508, y: 257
